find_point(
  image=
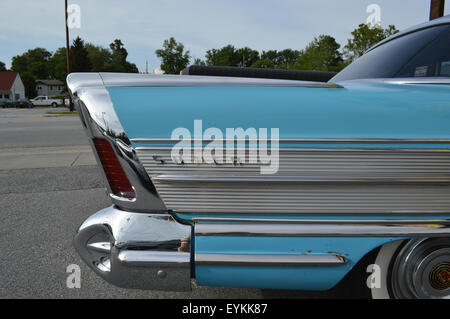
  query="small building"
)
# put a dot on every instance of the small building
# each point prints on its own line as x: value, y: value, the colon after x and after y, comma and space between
x: 49, y: 88
x: 11, y: 86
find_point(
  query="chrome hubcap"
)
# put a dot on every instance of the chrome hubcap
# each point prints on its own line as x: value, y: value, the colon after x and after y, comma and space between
x: 422, y: 269
x: 440, y: 276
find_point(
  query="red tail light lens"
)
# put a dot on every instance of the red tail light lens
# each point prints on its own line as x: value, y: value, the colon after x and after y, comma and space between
x: 118, y: 181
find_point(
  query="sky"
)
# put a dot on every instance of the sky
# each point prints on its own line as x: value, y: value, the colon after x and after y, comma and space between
x: 200, y: 25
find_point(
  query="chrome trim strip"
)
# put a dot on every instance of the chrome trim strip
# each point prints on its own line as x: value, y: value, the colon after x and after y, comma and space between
x: 424, y: 80
x: 271, y: 260
x: 404, y: 81
x: 150, y: 80
x: 151, y: 258
x: 313, y: 149
x: 166, y: 178
x: 304, y: 140
x: 321, y: 228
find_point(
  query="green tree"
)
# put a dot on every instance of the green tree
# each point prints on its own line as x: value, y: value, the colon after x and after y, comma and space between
x: 271, y: 57
x: 2, y: 66
x: 100, y: 57
x: 173, y: 57
x: 263, y: 64
x: 284, y: 59
x: 34, y: 61
x: 247, y: 56
x: 364, y: 37
x: 119, y: 56
x: 29, y: 82
x: 79, y: 57
x: 198, y: 61
x: 58, y: 64
x: 287, y: 58
x: 322, y: 54
x: 226, y: 56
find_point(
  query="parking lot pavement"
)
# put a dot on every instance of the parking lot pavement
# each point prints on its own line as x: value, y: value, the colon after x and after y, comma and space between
x: 43, y: 157
x: 24, y: 129
x: 47, y: 188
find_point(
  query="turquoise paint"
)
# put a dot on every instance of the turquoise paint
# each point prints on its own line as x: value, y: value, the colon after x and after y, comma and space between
x: 302, y: 278
x: 360, y: 110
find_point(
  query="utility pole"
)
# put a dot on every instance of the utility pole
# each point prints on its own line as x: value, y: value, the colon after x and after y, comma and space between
x: 68, y: 52
x: 437, y: 9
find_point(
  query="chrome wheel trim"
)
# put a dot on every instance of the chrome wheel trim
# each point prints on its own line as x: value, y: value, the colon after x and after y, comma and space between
x: 414, y: 265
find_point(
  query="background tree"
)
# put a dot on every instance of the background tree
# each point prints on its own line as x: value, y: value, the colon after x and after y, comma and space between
x: 364, y: 37
x: 322, y: 54
x: 226, y: 56
x: 79, y: 57
x: 2, y: 66
x: 34, y: 61
x: 198, y: 61
x: 29, y: 83
x: 58, y: 64
x: 173, y: 57
x: 119, y: 56
x: 287, y: 58
x: 263, y: 64
x: 100, y: 57
x: 270, y: 57
x: 247, y: 56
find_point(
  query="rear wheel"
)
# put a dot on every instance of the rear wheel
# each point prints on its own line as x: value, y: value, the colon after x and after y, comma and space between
x: 54, y: 104
x: 414, y: 269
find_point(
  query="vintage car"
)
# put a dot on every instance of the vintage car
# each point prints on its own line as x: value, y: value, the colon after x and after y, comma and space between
x: 278, y: 184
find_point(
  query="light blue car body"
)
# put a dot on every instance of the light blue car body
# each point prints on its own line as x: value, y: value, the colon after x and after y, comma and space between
x: 362, y: 109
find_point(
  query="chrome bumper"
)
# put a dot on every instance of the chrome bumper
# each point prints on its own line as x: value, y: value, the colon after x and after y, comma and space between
x: 136, y: 250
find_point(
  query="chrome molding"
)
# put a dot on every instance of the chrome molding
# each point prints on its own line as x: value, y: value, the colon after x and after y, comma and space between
x: 122, y: 79
x: 405, y: 81
x: 273, y: 260
x: 322, y: 228
x: 303, y: 140
x: 136, y: 250
x: 100, y: 120
x: 308, y: 181
x: 418, y: 80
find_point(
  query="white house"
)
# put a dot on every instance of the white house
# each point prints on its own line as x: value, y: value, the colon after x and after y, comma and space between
x: 49, y: 88
x: 11, y: 86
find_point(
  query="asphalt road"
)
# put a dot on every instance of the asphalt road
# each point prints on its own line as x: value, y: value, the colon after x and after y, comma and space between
x: 49, y: 184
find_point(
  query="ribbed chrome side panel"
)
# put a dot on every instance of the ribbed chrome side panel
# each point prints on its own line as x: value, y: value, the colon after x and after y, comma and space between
x: 308, y: 181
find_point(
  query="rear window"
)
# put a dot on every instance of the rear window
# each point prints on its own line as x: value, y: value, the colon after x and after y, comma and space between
x: 422, y: 53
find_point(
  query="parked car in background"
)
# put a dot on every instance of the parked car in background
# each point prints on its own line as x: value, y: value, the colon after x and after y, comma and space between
x: 43, y: 100
x: 23, y: 103
x: 362, y: 165
x: 6, y: 103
